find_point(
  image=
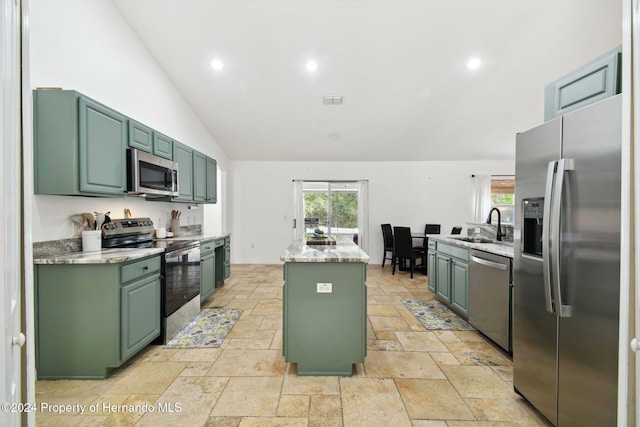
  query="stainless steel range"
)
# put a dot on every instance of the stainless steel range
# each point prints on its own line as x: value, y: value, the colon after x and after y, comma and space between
x: 180, y: 269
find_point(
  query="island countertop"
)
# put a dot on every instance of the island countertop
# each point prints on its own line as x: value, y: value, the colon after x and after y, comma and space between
x: 497, y: 248
x: 342, y: 251
x: 104, y: 256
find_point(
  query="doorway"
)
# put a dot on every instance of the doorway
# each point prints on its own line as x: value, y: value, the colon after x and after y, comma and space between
x: 338, y: 208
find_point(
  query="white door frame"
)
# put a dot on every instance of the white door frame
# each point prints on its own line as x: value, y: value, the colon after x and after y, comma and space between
x: 11, y: 256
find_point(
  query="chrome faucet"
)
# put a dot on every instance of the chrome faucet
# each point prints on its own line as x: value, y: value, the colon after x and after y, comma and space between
x: 499, y: 234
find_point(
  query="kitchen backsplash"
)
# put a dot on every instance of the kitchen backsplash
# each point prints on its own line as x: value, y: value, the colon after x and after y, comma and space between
x: 74, y: 244
x: 57, y: 247
x: 490, y: 230
x: 52, y: 214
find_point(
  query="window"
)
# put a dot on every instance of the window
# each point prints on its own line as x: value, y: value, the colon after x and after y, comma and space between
x: 331, y: 206
x: 502, y: 197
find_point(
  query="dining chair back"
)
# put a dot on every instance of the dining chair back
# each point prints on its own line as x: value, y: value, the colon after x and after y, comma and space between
x: 387, y: 237
x: 432, y: 229
x: 404, y: 250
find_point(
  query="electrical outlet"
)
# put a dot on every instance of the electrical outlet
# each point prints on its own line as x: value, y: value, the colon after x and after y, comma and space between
x: 324, y: 288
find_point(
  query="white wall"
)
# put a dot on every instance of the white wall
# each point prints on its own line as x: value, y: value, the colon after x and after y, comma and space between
x: 401, y: 193
x: 87, y: 46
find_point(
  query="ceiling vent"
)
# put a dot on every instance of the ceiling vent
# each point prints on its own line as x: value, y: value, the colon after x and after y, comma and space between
x: 332, y: 100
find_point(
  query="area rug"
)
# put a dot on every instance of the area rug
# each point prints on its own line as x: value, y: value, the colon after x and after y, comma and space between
x: 436, y: 316
x: 207, y: 330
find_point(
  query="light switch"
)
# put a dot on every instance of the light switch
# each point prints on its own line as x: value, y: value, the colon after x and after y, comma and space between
x: 324, y: 288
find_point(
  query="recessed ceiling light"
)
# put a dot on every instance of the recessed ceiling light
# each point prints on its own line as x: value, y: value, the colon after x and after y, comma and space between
x: 474, y: 63
x: 311, y: 66
x: 217, y: 64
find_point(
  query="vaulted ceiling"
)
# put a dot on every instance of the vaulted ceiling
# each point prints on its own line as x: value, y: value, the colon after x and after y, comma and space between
x: 400, y: 66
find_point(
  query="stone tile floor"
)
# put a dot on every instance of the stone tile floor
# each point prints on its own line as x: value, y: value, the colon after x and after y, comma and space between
x: 411, y: 376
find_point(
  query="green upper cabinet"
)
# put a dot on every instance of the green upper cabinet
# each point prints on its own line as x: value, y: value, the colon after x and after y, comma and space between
x: 196, y: 175
x: 146, y: 139
x: 593, y: 82
x: 80, y: 150
x: 183, y: 155
x: 162, y: 145
x: 212, y: 180
x: 140, y: 136
x: 199, y: 177
x: 79, y: 145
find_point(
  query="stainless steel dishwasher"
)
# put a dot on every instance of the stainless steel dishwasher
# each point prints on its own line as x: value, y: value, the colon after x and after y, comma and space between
x: 489, y: 296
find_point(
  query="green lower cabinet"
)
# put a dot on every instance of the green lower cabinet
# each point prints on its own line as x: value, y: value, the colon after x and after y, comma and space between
x: 227, y: 257
x: 451, y: 276
x: 459, y: 285
x: 140, y: 315
x: 325, y: 317
x: 431, y: 271
x: 443, y: 277
x: 208, y: 270
x: 91, y: 318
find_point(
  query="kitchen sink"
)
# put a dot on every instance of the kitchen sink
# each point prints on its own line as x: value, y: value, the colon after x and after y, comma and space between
x: 474, y: 240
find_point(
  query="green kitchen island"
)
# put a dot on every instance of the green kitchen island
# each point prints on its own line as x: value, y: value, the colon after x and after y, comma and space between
x: 325, y: 307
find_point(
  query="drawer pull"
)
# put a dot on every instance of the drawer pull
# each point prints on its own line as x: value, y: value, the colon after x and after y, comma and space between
x: 145, y: 268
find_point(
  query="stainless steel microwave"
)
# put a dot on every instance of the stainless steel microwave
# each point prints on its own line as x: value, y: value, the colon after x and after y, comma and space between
x: 149, y: 174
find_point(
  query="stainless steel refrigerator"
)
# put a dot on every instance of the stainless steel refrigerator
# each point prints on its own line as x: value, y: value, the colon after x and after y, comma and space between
x: 566, y: 266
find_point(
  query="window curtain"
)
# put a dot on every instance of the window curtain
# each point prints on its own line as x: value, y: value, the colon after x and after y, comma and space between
x: 298, y: 209
x: 363, y: 215
x: 481, y: 197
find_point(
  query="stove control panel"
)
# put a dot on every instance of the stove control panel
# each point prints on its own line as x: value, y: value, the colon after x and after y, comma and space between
x: 127, y: 226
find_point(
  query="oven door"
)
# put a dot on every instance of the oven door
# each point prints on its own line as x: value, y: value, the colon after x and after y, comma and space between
x: 182, y: 278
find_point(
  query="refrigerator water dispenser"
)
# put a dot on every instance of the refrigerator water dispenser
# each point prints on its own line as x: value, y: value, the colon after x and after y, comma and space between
x: 532, y: 226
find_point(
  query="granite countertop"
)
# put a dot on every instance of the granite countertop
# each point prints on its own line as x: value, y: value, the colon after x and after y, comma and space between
x: 497, y: 248
x: 194, y: 237
x: 342, y: 251
x: 104, y: 256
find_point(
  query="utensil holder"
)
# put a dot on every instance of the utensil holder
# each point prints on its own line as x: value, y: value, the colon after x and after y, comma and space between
x: 91, y: 240
x: 175, y: 227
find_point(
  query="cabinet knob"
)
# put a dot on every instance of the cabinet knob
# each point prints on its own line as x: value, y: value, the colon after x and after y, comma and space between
x: 19, y: 340
x: 145, y: 268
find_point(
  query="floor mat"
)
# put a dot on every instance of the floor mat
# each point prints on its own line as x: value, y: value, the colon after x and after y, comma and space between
x: 436, y: 316
x: 207, y: 330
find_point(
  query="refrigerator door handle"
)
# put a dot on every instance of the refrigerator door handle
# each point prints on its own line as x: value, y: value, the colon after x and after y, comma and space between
x: 546, y: 232
x: 564, y: 165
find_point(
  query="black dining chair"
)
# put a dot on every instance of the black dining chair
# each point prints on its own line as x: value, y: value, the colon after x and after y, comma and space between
x: 429, y: 229
x: 456, y: 230
x: 387, y: 237
x: 404, y: 250
x: 432, y: 229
